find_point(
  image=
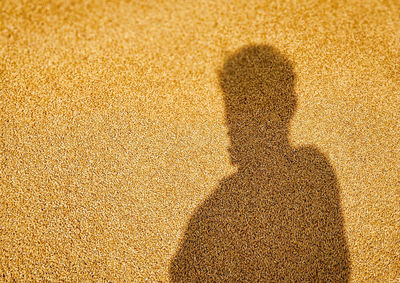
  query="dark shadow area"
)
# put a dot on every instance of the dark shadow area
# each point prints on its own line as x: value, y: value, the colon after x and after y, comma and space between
x: 279, y: 217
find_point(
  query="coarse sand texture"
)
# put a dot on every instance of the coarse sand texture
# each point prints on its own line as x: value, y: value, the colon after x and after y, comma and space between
x: 186, y: 141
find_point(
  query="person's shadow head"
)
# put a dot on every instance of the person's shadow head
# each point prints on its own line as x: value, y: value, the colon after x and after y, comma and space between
x: 258, y: 87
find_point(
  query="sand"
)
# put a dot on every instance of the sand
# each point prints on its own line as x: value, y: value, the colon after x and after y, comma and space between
x: 114, y: 130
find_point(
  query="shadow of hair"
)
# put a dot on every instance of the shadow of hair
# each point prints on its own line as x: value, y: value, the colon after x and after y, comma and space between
x: 278, y: 218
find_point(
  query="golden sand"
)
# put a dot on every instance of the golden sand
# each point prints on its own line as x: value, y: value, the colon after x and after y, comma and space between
x: 114, y: 133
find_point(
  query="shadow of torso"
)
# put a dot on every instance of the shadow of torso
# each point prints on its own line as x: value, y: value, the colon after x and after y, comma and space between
x: 273, y: 221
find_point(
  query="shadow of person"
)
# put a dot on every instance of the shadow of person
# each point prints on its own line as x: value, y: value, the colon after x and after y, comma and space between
x: 278, y: 218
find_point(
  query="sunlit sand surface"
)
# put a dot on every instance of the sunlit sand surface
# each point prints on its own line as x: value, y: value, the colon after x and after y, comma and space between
x: 115, y: 137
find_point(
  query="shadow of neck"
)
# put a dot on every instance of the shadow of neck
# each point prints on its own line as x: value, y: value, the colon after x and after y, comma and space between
x: 253, y: 144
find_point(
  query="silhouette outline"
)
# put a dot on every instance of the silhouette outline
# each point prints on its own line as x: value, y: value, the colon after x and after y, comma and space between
x: 278, y: 218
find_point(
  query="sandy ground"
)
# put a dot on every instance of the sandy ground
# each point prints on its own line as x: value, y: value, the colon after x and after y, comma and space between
x: 114, y: 126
